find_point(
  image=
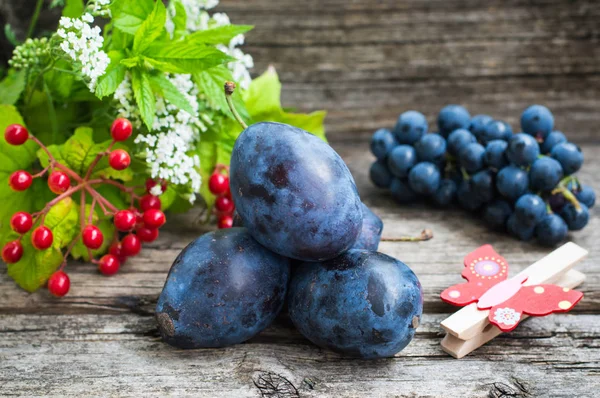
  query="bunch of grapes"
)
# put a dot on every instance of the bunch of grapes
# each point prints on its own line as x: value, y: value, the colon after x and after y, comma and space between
x: 523, y: 183
x: 218, y: 184
x: 137, y: 224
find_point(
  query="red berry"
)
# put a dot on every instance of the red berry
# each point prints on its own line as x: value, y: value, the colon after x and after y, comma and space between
x: 150, y: 183
x: 109, y: 264
x: 147, y: 234
x: 124, y: 220
x: 21, y: 222
x: 12, y: 252
x: 58, y: 182
x: 42, y: 238
x: 115, y: 250
x: 92, y: 237
x: 16, y: 134
x: 20, y: 180
x: 130, y: 245
x: 148, y: 202
x: 119, y: 159
x: 121, y: 129
x: 59, y: 284
x: 154, y: 218
x: 218, y: 184
x: 225, y: 221
x: 224, y: 204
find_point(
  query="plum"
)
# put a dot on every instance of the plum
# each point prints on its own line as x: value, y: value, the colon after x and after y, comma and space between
x: 362, y: 303
x: 370, y: 234
x: 294, y: 193
x: 222, y: 289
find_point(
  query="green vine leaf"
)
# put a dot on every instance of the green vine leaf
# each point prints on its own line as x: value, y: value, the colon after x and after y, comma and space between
x: 219, y: 35
x: 162, y: 85
x: 12, y: 86
x: 151, y: 28
x: 144, y: 97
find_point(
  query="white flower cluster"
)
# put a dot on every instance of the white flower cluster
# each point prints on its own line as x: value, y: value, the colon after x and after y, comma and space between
x: 83, y: 44
x: 174, y: 133
x: 99, y: 8
x: 199, y: 19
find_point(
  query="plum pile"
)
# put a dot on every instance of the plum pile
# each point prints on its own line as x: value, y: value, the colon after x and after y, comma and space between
x: 300, y: 224
x: 523, y: 183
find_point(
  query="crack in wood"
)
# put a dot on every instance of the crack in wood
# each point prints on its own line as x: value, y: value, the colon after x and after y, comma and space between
x: 273, y: 385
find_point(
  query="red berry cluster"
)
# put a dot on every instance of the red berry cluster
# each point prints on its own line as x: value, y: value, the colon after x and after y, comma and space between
x: 138, y: 225
x: 218, y: 184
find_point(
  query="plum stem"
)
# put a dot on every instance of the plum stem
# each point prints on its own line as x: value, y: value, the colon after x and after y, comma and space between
x: 229, y: 89
x: 426, y: 234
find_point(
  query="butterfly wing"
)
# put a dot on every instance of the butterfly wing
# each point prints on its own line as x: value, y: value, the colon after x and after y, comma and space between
x: 536, y: 300
x: 483, y: 269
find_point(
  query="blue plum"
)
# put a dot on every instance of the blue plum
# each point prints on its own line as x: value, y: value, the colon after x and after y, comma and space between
x: 453, y: 117
x: 382, y: 143
x: 459, y: 139
x: 553, y: 139
x: 551, y: 230
x: 402, y: 192
x: 477, y: 124
x: 370, y: 234
x: 411, y: 125
x: 495, y: 154
x: 380, y: 174
x: 569, y: 156
x: 512, y: 182
x: 401, y: 159
x: 222, y: 289
x: 522, y: 150
x: 471, y: 157
x: 294, y: 192
x: 545, y: 173
x: 537, y: 121
x: 424, y: 178
x: 431, y: 148
x: 362, y: 304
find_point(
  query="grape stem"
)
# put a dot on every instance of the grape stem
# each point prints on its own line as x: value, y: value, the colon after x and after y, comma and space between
x: 229, y: 89
x: 569, y: 196
x: 426, y: 234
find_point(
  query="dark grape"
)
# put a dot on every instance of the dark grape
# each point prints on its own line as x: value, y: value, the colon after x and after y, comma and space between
x: 466, y: 197
x: 431, y: 148
x: 586, y: 195
x: 522, y: 149
x: 553, y: 139
x: 459, y: 139
x: 556, y: 202
x: 512, y: 182
x: 410, y: 127
x: 380, y: 175
x: 453, y: 117
x: 483, y: 186
x: 495, y: 130
x: 545, y: 174
x: 529, y: 210
x: 445, y: 194
x: 515, y: 228
x: 471, y: 157
x: 551, y: 230
x: 495, y: 154
x: 401, y: 159
x: 424, y: 178
x: 537, y: 121
x: 382, y: 143
x: 575, y: 219
x: 496, y: 213
x: 402, y: 192
x: 569, y: 156
x: 478, y: 123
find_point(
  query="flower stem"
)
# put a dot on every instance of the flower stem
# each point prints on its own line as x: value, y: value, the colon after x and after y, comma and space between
x: 96, y: 160
x: 229, y: 89
x: 426, y: 234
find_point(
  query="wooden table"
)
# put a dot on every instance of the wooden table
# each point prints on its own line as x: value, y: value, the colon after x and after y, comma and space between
x: 364, y: 61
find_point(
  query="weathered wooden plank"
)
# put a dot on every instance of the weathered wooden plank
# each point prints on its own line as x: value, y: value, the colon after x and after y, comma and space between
x: 104, y: 355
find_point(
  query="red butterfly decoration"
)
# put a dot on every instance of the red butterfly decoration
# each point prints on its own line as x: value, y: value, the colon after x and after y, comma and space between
x: 507, y: 299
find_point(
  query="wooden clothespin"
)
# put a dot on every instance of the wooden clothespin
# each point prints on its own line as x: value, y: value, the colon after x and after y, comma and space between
x: 495, y: 304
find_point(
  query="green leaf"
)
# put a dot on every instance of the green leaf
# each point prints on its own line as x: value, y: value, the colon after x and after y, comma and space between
x: 151, y: 28
x: 144, y: 97
x: 12, y: 86
x: 120, y: 40
x: 60, y: 83
x: 78, y: 153
x: 162, y: 85
x: 211, y: 83
x: 36, y: 266
x: 186, y: 57
x: 219, y: 35
x: 10, y: 35
x: 115, y: 73
x: 57, y: 3
x: 179, y: 20
x: 73, y: 8
x: 128, y: 15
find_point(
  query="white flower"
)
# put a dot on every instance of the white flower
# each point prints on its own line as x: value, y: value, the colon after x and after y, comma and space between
x: 83, y: 44
x: 156, y: 190
x: 507, y: 316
